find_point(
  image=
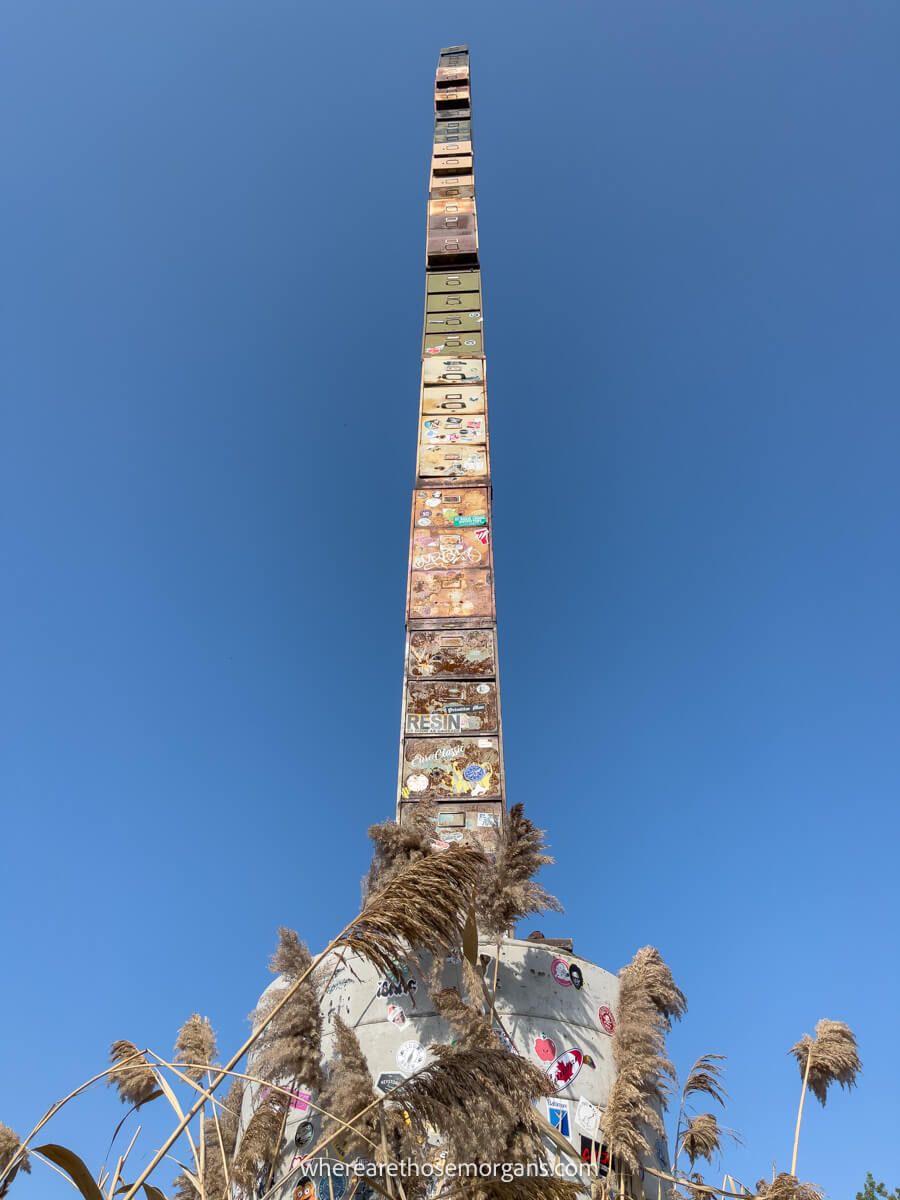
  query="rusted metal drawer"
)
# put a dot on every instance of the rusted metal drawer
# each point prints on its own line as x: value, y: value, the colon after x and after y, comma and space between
x: 450, y: 508
x: 454, y: 321
x: 438, y: 708
x: 449, y: 549
x: 452, y: 223
x: 454, y: 114
x: 442, y: 250
x: 449, y: 370
x: 468, y: 823
x: 453, y: 281
x: 452, y: 302
x: 444, y: 594
x: 463, y: 345
x: 451, y: 654
x: 439, y: 769
x: 451, y: 206
x: 452, y: 399
x: 448, y: 429
x: 452, y: 131
x: 453, y: 462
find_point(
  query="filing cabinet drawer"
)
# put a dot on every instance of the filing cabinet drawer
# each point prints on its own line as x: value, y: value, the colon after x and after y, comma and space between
x: 441, y: 249
x: 459, y: 185
x: 455, y: 399
x: 451, y: 508
x: 448, y: 370
x: 464, y: 321
x: 463, y: 345
x: 452, y: 462
x: 451, y: 76
x: 452, y: 149
x: 450, y: 206
x: 452, y: 429
x: 454, y: 97
x: 453, y: 164
x: 453, y: 281
x: 451, y: 654
x: 452, y: 223
x: 461, y: 302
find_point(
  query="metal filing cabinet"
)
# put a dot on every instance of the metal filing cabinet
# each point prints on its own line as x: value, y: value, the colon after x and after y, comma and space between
x: 454, y: 302
x: 467, y: 767
x: 452, y: 150
x: 442, y: 595
x: 448, y: 77
x: 453, y: 114
x: 450, y: 508
x: 450, y: 206
x: 459, y: 185
x: 452, y: 462
x: 463, y: 345
x: 452, y: 429
x: 445, y: 249
x: 451, y: 98
x: 442, y: 707
x: 454, y: 398
x: 451, y: 654
x: 453, y: 164
x: 463, y: 321
x: 449, y: 549
x: 450, y: 370
x: 453, y: 281
x: 452, y: 222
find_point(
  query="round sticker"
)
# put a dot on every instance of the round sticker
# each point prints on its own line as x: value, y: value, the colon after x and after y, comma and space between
x: 410, y: 1057
x: 303, y: 1134
x: 560, y: 972
x: 482, y: 688
x: 417, y: 783
x: 424, y: 521
x: 563, y: 1071
x: 473, y: 773
x: 607, y: 1020
x: 432, y: 502
x: 576, y: 976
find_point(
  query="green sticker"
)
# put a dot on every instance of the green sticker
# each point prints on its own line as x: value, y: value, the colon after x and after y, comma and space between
x: 470, y: 520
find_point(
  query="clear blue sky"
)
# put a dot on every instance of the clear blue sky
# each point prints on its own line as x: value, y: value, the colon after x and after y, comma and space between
x: 212, y: 256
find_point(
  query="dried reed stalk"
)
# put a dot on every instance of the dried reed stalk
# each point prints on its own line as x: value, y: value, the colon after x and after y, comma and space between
x: 397, y: 845
x: 348, y: 1088
x: 13, y: 1156
x: 195, y: 1046
x: 131, y: 1073
x: 788, y: 1187
x: 829, y: 1057
x: 508, y: 891
x: 290, y: 1046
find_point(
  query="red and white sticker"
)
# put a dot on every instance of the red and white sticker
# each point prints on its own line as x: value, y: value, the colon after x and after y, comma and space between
x: 559, y: 969
x: 607, y: 1020
x: 563, y: 1071
x: 544, y: 1047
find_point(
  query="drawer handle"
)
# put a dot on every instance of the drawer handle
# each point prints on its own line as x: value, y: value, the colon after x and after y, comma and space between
x: 452, y: 301
x: 449, y: 222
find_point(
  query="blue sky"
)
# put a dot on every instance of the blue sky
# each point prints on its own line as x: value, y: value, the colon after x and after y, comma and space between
x: 211, y: 283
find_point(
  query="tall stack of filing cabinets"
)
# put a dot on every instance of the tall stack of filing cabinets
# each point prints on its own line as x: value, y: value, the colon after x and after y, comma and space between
x: 451, y: 755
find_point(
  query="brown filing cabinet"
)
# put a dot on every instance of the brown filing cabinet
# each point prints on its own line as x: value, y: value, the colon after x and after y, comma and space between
x: 451, y: 654
x: 452, y: 429
x: 451, y: 76
x: 456, y: 463
x: 453, y: 398
x: 450, y: 206
x: 449, y: 370
x: 452, y: 223
x: 446, y: 708
x: 450, y: 508
x: 461, y: 768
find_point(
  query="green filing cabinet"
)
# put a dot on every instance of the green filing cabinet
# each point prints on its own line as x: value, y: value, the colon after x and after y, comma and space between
x: 447, y: 302
x: 464, y: 321
x: 453, y: 281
